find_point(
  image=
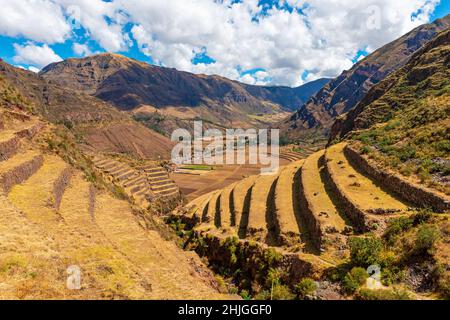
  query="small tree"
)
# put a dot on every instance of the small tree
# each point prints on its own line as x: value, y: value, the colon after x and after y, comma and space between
x: 425, y: 239
x: 365, y: 251
x: 354, y: 279
x: 306, y: 287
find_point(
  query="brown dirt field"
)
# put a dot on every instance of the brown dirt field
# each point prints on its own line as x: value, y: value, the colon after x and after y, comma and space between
x: 132, y: 139
x: 193, y: 186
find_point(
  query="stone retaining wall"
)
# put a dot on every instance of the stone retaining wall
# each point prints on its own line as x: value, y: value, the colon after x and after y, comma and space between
x: 356, y: 215
x: 21, y: 173
x: 313, y: 224
x: 60, y: 186
x: 9, y: 148
x: 414, y: 194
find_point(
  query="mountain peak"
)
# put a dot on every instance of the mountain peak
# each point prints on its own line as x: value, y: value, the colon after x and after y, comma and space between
x: 344, y: 92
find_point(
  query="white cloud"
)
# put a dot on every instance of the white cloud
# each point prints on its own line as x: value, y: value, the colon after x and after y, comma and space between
x: 33, y: 69
x: 38, y: 20
x: 322, y: 40
x: 103, y: 22
x: 35, y: 55
x: 81, y: 49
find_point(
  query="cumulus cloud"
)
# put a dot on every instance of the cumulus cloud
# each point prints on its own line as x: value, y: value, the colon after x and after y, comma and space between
x: 320, y: 37
x: 102, y: 21
x: 35, y: 55
x: 316, y: 38
x: 39, y: 20
x: 81, y: 49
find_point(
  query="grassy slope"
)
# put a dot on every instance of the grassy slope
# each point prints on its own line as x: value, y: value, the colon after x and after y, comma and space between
x: 404, y: 121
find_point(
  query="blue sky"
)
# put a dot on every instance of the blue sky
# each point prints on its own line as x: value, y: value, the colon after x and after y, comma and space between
x: 285, y: 42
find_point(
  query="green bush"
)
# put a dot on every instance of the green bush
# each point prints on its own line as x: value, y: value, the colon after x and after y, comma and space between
x: 366, y: 294
x: 273, y: 277
x: 354, y: 279
x: 305, y: 287
x: 245, y: 295
x: 273, y: 257
x: 422, y: 216
x: 365, y: 150
x: 282, y: 292
x: 426, y: 238
x: 392, y: 275
x: 263, y: 295
x: 365, y: 251
x: 397, y: 226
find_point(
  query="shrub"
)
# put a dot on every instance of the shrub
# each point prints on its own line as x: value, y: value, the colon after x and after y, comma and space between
x: 365, y: 251
x: 392, y: 275
x: 273, y: 277
x: 245, y: 295
x: 422, y: 216
x: 365, y: 150
x: 425, y: 240
x: 306, y: 287
x: 406, y: 153
x: 222, y: 285
x: 354, y: 279
x: 366, y: 294
x: 263, y: 295
x: 273, y: 257
x: 282, y: 292
x: 396, y: 227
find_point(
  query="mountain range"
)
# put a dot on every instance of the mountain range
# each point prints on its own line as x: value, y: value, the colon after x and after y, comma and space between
x: 118, y: 104
x: 343, y: 93
x: 169, y: 95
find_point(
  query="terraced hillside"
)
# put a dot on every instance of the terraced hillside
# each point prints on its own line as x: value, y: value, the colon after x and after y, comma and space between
x: 310, y: 206
x: 310, y: 213
x: 298, y: 152
x: 143, y: 185
x: 402, y: 126
x: 376, y: 196
x: 53, y: 222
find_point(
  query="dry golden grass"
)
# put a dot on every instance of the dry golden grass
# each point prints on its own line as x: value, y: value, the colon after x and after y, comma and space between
x: 105, y: 268
x: 77, y: 240
x: 284, y: 200
x: 27, y: 256
x: 258, y: 204
x: 118, y: 257
x: 170, y: 271
x: 318, y: 200
x: 197, y: 205
x: 6, y: 135
x: 35, y: 196
x: 354, y: 186
x: 17, y: 160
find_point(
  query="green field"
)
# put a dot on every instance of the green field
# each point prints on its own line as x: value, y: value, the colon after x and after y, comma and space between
x: 197, y: 167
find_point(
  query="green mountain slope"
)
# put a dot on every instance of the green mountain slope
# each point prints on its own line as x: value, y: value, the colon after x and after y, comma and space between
x: 404, y: 122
